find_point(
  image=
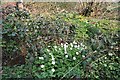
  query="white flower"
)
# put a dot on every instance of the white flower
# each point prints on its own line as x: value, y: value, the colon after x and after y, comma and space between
x: 74, y: 42
x: 35, y: 30
x: 78, y: 46
x: 48, y: 46
x: 48, y: 50
x: 27, y: 30
x: 105, y: 57
x: 35, y: 53
x: 65, y: 48
x: 75, y: 46
x: 82, y: 45
x: 74, y: 58
x: 70, y: 48
x: 116, y: 48
x: 42, y: 58
x: 65, y: 52
x: 60, y: 49
x: 85, y: 47
x: 71, y: 44
x: 42, y: 66
x: 95, y: 51
x: 55, y: 47
x: 50, y: 53
x: 37, y: 27
x: 111, y: 46
x: 53, y: 62
x: 105, y: 65
x: 53, y: 58
x: 77, y: 53
x: 61, y: 44
x: 38, y: 38
x: 81, y: 49
x: 110, y: 54
x: 83, y: 56
x: 53, y: 70
x: 66, y: 56
x: 66, y: 43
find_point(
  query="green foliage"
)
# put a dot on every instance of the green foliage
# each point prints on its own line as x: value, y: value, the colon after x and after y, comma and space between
x: 80, y: 26
x: 22, y: 71
x: 14, y: 32
x: 65, y: 45
x: 55, y: 58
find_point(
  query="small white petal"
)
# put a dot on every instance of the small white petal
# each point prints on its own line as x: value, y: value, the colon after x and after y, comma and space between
x: 78, y: 46
x: 42, y: 66
x: 27, y: 30
x: 65, y: 52
x: 83, y: 56
x: 75, y: 46
x: 82, y: 49
x: 95, y: 51
x: 55, y: 47
x: 81, y: 44
x: 60, y: 49
x: 48, y: 50
x: 61, y: 44
x: 77, y: 53
x: 74, y: 58
x: 117, y: 48
x: 50, y: 53
x: 48, y: 46
x: 66, y: 56
x: 37, y: 27
x: 74, y: 42
x: 111, y: 46
x: 53, y: 70
x: 53, y: 58
x: 35, y: 30
x: 38, y: 38
x: 65, y: 48
x: 70, y: 48
x: 110, y: 54
x: 105, y: 57
x: 53, y: 62
x: 71, y: 44
x: 42, y: 58
x: 85, y: 47
x: 66, y: 43
x: 105, y: 65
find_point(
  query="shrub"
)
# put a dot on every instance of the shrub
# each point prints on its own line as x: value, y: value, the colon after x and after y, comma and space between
x: 65, y: 45
x: 14, y: 32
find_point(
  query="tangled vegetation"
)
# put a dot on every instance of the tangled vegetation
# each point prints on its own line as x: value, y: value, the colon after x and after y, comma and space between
x: 65, y: 45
